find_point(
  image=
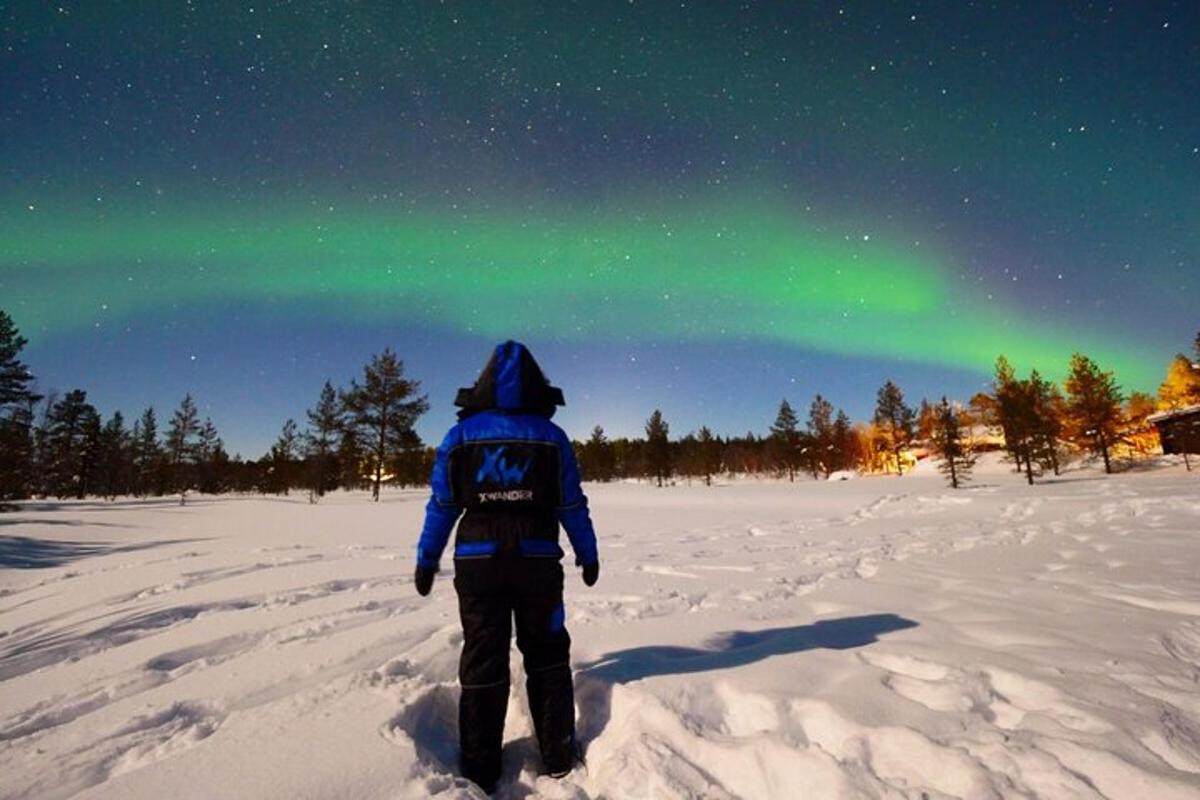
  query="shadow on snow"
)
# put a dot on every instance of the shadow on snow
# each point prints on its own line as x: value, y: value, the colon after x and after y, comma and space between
x: 25, y: 653
x: 121, y: 504
x: 23, y: 552
x: 594, y: 681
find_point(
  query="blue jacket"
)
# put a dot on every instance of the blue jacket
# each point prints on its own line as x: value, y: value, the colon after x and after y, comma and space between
x: 507, y: 471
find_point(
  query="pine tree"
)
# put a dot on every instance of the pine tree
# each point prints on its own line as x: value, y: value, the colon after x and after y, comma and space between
x: 1048, y: 412
x: 90, y: 456
x: 17, y: 401
x: 843, y: 443
x: 320, y: 439
x: 147, y: 456
x: 820, y: 437
x: 1182, y: 385
x: 597, y: 459
x: 181, y: 447
x: 15, y: 378
x: 40, y: 479
x: 582, y: 459
x: 709, y: 448
x: 1003, y: 411
x: 222, y: 469
x: 413, y: 465
x: 1136, y: 431
x: 1094, y: 404
x: 926, y: 419
x: 115, y: 462
x: 382, y: 411
x: 658, y: 448
x: 895, y: 421
x: 283, y: 458
x: 17, y: 451
x: 1016, y: 412
x: 209, y: 449
x: 350, y: 459
x: 785, y: 439
x: 70, y: 441
x: 951, y: 444
x: 207, y: 440
x: 685, y: 456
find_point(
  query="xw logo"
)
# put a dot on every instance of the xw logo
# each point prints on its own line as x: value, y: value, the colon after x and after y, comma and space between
x: 496, y: 469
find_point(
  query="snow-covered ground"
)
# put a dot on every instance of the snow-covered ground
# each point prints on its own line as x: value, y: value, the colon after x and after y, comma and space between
x: 881, y: 637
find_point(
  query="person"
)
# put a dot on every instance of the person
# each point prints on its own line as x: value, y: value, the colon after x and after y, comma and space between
x: 512, y: 476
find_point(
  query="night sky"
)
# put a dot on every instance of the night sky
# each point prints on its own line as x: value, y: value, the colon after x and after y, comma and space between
x: 701, y: 207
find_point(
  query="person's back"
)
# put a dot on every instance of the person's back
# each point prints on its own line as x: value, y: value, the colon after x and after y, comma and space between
x: 511, y: 474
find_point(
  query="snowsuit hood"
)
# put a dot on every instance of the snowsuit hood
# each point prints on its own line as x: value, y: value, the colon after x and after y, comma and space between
x: 511, y: 381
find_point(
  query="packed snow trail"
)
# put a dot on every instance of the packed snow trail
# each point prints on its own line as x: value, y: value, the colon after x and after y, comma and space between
x: 871, y: 638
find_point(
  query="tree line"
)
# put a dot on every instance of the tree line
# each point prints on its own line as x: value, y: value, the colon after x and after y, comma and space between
x: 56, y: 445
x: 363, y: 436
x: 1038, y: 425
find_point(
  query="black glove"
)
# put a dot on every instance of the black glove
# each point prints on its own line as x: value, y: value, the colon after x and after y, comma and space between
x: 424, y: 580
x: 591, y: 572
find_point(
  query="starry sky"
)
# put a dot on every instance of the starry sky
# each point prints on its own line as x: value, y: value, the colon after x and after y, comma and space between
x: 699, y: 207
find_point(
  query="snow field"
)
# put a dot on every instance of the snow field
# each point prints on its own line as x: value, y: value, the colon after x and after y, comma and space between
x: 873, y: 638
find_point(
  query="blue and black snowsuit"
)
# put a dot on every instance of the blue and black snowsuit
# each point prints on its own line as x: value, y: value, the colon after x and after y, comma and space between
x: 512, y: 476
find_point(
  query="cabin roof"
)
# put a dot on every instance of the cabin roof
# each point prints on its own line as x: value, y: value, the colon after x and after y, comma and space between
x: 1164, y: 416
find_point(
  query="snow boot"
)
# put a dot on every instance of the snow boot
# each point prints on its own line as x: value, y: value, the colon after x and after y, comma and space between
x: 564, y: 759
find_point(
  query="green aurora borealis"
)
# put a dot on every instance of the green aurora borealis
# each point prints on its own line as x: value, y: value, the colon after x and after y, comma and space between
x: 697, y: 206
x: 744, y: 270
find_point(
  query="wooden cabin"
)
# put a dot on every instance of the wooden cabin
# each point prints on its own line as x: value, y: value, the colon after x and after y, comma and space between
x: 1179, y: 430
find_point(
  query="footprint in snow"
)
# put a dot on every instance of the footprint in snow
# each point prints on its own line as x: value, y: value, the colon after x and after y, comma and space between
x: 1016, y: 697
x: 160, y: 734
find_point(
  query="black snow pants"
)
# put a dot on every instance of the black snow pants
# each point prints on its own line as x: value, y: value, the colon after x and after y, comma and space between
x: 491, y: 593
